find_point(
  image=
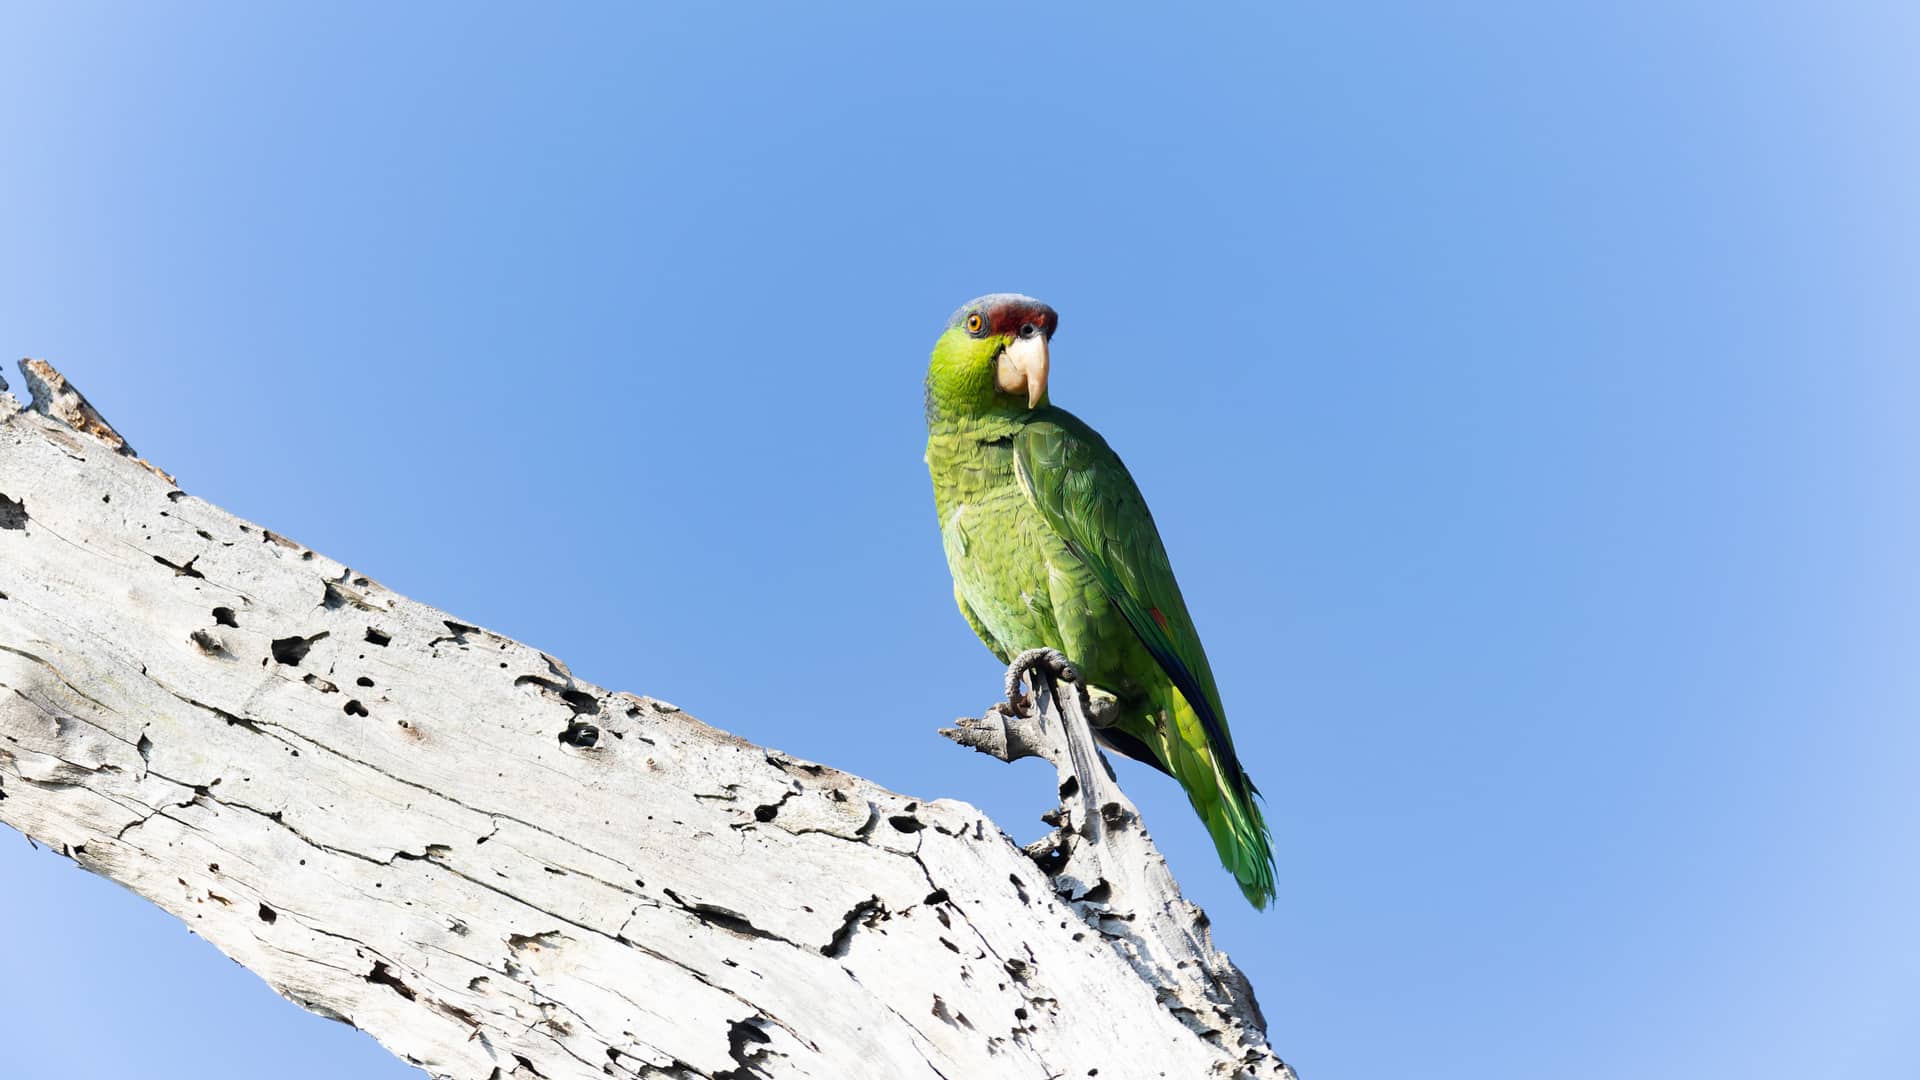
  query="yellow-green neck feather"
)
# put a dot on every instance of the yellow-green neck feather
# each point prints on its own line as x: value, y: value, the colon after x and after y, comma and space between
x: 960, y: 381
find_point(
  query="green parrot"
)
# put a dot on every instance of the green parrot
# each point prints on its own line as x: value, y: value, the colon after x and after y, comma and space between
x: 1052, y: 546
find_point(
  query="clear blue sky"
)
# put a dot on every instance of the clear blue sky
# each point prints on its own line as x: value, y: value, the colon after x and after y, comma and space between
x: 1527, y: 395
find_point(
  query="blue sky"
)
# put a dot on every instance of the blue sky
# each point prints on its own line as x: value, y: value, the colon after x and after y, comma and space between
x: 1526, y: 394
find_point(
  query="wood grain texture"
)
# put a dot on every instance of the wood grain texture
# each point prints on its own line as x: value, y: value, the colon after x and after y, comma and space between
x: 414, y: 825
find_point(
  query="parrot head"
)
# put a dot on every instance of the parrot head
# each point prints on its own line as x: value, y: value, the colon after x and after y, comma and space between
x: 992, y: 357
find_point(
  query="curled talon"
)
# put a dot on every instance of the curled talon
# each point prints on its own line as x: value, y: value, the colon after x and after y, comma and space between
x: 1030, y: 661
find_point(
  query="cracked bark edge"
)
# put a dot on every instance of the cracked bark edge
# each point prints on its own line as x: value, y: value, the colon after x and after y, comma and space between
x: 408, y: 823
x: 1103, y: 864
x: 1008, y: 737
x: 53, y: 396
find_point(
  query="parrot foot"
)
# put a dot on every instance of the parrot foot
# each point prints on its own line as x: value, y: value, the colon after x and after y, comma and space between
x: 1049, y: 660
x: 1102, y: 708
x: 1014, y: 728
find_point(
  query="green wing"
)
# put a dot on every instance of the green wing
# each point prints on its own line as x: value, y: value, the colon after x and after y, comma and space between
x: 1084, y: 492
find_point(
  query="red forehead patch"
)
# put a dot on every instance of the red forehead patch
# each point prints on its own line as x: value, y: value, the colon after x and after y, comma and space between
x: 1008, y: 318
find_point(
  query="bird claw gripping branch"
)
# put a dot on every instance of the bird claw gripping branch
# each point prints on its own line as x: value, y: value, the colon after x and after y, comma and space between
x: 1021, y: 670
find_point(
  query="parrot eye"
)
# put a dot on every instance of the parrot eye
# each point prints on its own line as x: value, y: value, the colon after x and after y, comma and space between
x: 974, y: 323
x: 1028, y: 330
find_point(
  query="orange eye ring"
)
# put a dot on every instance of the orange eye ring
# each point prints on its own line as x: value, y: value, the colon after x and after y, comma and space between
x: 974, y: 323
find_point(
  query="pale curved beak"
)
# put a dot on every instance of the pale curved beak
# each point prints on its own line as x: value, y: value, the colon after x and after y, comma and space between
x: 1023, y: 367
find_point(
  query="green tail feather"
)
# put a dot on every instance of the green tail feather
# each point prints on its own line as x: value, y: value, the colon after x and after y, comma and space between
x: 1240, y: 836
x: 1227, y: 801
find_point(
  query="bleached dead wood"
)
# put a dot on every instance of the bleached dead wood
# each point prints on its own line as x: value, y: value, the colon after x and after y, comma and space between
x: 419, y: 827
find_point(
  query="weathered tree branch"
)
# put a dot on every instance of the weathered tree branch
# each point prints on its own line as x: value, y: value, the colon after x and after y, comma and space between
x: 419, y: 827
